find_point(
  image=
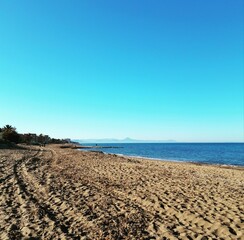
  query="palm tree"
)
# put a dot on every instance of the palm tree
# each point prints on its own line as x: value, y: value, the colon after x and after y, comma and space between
x: 8, y: 128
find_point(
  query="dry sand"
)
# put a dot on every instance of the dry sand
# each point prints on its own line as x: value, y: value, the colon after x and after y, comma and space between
x: 54, y: 193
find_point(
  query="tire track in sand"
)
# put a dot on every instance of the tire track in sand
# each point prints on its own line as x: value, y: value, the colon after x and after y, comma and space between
x: 29, y: 191
x: 13, y: 207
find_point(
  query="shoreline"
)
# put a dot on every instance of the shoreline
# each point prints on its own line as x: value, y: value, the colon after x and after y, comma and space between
x: 164, y: 159
x: 220, y: 154
x: 191, y: 162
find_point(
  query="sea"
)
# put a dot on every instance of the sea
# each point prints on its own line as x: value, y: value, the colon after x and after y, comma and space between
x: 208, y: 153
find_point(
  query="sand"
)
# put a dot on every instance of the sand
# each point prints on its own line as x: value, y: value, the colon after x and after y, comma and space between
x: 63, y: 193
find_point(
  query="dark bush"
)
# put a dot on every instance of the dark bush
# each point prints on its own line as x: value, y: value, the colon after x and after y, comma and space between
x: 10, y: 136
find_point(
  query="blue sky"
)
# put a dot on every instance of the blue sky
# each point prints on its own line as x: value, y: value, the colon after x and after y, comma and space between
x: 163, y: 69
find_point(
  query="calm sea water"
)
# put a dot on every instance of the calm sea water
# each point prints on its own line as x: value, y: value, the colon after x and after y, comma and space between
x: 211, y: 153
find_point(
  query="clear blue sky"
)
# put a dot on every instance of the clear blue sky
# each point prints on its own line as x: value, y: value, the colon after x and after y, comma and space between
x: 163, y: 69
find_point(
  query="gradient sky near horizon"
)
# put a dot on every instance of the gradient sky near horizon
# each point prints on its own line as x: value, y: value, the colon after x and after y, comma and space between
x: 163, y: 69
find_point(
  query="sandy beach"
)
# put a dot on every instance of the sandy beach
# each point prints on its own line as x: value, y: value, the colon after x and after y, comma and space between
x: 63, y: 193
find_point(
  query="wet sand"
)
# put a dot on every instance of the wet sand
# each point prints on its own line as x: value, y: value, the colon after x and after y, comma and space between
x: 63, y: 193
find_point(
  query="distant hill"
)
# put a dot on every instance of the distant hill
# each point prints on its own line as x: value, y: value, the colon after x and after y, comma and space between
x: 125, y: 140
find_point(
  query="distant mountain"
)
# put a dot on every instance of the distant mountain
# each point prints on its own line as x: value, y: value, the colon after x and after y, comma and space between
x: 125, y: 140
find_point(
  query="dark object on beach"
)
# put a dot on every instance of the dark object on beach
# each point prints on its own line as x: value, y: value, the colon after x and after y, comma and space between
x: 97, y: 151
x: 67, y: 146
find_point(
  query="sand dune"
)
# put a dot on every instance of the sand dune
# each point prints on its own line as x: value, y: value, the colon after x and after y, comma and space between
x: 54, y: 193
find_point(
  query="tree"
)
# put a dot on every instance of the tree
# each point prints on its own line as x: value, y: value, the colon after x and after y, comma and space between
x: 9, y: 127
x: 26, y: 138
x: 41, y: 139
x: 10, y: 134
